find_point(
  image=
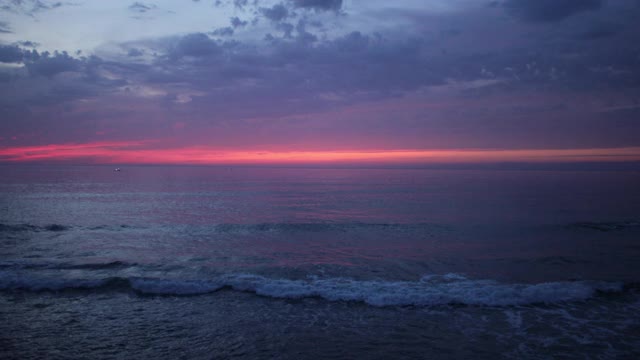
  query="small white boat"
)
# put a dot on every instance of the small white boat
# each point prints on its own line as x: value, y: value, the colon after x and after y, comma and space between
x: 116, y: 169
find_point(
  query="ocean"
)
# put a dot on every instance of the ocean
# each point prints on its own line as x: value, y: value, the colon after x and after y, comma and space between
x: 178, y: 262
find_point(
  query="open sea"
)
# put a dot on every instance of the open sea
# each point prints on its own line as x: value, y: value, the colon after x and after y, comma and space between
x: 177, y: 262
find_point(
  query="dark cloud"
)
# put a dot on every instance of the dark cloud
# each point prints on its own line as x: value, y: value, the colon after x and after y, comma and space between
x: 549, y: 10
x: 11, y: 54
x: 305, y: 36
x: 135, y: 52
x: 29, y: 7
x: 237, y: 4
x: 47, y: 64
x: 223, y: 31
x: 236, y: 22
x: 276, y: 13
x: 139, y: 7
x: 447, y: 68
x: 304, y: 66
x: 601, y: 30
x: 240, y: 3
x: 286, y: 28
x: 195, y: 45
x: 318, y: 4
x: 54, y: 78
x: 5, y: 28
x: 310, y: 72
x: 29, y: 44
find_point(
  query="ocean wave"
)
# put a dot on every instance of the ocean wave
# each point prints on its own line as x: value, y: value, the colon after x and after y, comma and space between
x: 605, y: 226
x: 428, y: 291
x: 318, y: 227
x: 10, y: 281
x: 299, y: 227
x: 241, y: 228
x: 30, y: 227
x: 66, y: 266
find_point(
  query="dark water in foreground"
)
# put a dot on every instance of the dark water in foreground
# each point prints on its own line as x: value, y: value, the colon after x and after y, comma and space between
x: 196, y: 262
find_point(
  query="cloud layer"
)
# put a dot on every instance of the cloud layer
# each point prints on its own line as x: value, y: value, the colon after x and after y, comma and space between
x: 549, y: 10
x: 327, y: 75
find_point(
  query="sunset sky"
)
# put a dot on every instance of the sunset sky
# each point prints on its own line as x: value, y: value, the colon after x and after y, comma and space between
x: 319, y: 81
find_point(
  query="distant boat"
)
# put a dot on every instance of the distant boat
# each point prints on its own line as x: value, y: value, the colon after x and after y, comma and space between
x: 116, y: 169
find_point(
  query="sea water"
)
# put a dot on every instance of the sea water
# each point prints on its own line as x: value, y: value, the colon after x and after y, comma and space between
x: 307, y: 263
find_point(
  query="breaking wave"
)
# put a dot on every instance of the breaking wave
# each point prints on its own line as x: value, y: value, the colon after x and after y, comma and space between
x: 428, y: 291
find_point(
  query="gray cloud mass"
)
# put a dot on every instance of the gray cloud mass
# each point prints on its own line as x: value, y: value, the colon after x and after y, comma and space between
x: 549, y: 10
x: 11, y: 54
x: 318, y: 4
x: 276, y: 13
x: 5, y: 28
x: 139, y: 7
x: 502, y: 66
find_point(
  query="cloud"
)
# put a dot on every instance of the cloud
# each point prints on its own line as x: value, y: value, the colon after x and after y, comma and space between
x: 11, y: 54
x: 334, y: 5
x: 5, y: 28
x: 601, y: 30
x: 223, y: 31
x: 56, y: 77
x: 301, y: 67
x: 236, y: 22
x: 622, y: 108
x: 549, y: 10
x: 276, y: 13
x: 46, y: 64
x: 29, y: 7
x: 135, y: 52
x: 286, y: 28
x: 397, y: 78
x: 29, y: 44
x: 240, y: 4
x: 195, y: 45
x: 141, y: 8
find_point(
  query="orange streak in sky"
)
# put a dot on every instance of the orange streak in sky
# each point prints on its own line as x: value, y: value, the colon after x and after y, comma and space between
x: 134, y: 153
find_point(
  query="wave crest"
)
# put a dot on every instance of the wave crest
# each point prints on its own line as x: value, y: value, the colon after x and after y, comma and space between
x: 428, y: 291
x: 29, y: 227
x: 605, y: 226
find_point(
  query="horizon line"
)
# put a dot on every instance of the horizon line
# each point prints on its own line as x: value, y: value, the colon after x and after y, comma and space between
x: 139, y: 153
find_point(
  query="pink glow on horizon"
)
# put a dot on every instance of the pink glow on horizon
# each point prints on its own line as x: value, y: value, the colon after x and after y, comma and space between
x: 140, y: 152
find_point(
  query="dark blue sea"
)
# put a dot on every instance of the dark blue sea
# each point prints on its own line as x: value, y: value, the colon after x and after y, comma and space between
x: 178, y: 262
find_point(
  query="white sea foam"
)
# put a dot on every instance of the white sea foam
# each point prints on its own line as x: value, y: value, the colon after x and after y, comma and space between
x: 430, y: 290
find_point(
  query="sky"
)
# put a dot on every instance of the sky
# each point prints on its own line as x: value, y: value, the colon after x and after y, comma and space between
x: 319, y: 81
